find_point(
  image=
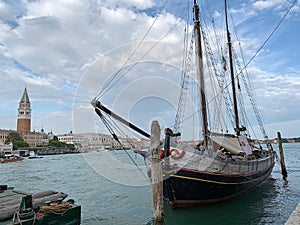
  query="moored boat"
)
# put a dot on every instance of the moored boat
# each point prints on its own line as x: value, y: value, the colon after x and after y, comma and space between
x: 33, y: 155
x: 12, y: 158
x: 224, y: 164
x: 6, y: 154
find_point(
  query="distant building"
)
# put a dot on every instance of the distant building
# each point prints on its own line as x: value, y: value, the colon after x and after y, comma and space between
x: 142, y: 144
x: 5, y: 150
x: 36, y: 138
x: 24, y: 114
x: 4, y: 133
x: 77, y: 140
x: 94, y: 142
x: 24, y: 124
x: 85, y: 142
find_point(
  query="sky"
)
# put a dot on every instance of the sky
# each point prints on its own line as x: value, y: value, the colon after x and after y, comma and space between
x: 65, y: 52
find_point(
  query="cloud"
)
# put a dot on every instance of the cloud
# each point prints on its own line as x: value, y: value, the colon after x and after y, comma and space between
x: 49, y: 46
x: 277, y: 95
x: 262, y: 5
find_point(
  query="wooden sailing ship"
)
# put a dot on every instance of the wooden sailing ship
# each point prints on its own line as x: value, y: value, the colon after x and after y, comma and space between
x: 222, y: 165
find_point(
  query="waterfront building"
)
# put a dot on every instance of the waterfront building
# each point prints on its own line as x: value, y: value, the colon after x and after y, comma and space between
x: 36, y: 138
x: 4, y: 133
x: 79, y: 141
x: 95, y: 142
x: 142, y: 144
x: 5, y: 150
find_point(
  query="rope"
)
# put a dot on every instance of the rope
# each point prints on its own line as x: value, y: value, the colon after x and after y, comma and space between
x: 55, y: 208
x: 110, y: 129
x: 246, y: 65
x: 106, y: 88
x: 270, y: 35
x: 20, y: 221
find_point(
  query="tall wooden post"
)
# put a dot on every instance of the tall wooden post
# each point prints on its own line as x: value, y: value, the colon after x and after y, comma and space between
x: 282, y: 163
x: 156, y: 175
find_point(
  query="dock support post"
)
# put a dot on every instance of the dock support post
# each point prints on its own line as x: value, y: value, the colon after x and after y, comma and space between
x: 156, y: 175
x: 282, y: 163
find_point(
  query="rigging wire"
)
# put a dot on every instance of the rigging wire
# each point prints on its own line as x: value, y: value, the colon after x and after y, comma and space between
x: 130, y: 68
x: 211, y: 61
x: 109, y: 127
x: 105, y: 89
x: 247, y: 83
x: 185, y: 73
x: 134, y: 64
x: 268, y: 38
x: 127, y: 153
x: 246, y: 65
x: 100, y: 94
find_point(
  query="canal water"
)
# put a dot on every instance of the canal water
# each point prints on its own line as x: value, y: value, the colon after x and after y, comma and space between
x: 111, y: 190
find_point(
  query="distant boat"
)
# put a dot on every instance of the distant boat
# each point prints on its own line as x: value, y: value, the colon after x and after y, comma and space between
x: 33, y: 155
x: 12, y: 158
x: 6, y: 154
x: 223, y: 165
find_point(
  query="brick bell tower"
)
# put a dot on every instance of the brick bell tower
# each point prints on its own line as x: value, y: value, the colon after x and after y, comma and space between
x: 24, y: 114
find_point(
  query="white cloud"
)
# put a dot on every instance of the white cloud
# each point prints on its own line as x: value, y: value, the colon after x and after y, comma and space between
x: 266, y: 4
x: 48, y: 46
x: 139, y: 4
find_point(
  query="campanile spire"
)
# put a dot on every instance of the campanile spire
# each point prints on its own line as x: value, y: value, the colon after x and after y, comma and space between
x: 24, y: 114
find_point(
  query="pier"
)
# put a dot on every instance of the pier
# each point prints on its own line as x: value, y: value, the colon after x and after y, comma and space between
x: 294, y: 218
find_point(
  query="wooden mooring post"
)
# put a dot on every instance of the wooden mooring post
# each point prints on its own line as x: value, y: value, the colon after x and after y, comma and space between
x: 156, y: 176
x: 282, y: 163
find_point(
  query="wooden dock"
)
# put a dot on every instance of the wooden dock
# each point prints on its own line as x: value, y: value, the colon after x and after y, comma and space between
x: 294, y: 218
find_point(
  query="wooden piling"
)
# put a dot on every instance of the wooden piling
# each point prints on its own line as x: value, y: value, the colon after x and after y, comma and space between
x: 282, y: 163
x: 156, y: 175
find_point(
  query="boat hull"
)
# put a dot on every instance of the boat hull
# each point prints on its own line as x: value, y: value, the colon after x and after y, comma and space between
x: 188, y: 188
x: 11, y: 160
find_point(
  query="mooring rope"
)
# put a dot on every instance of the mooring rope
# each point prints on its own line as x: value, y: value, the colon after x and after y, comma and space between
x: 55, y: 208
x: 20, y: 221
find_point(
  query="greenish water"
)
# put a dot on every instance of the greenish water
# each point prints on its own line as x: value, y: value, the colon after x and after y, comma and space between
x: 114, y: 193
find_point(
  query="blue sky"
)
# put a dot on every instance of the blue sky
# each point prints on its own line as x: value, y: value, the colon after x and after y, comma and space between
x: 50, y: 46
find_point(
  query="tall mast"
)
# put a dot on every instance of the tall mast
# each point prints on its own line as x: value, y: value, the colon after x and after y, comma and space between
x: 199, y: 60
x: 236, y: 115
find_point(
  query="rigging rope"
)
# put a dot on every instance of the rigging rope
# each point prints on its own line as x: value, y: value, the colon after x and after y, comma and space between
x: 186, y: 64
x: 55, y: 208
x: 223, y: 89
x: 268, y: 38
x: 143, y: 56
x: 106, y: 88
x: 247, y: 82
x: 184, y: 86
x: 110, y: 129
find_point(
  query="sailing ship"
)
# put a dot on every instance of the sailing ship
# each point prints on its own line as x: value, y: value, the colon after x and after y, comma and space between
x: 222, y: 165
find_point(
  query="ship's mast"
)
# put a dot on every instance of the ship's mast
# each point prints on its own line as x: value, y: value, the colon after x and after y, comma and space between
x: 236, y: 115
x: 199, y: 60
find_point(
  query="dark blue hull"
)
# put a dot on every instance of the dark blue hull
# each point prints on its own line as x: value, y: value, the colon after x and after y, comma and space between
x: 191, y: 187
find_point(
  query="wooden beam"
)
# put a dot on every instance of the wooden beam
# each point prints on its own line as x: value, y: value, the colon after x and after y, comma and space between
x: 282, y: 163
x: 156, y: 176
